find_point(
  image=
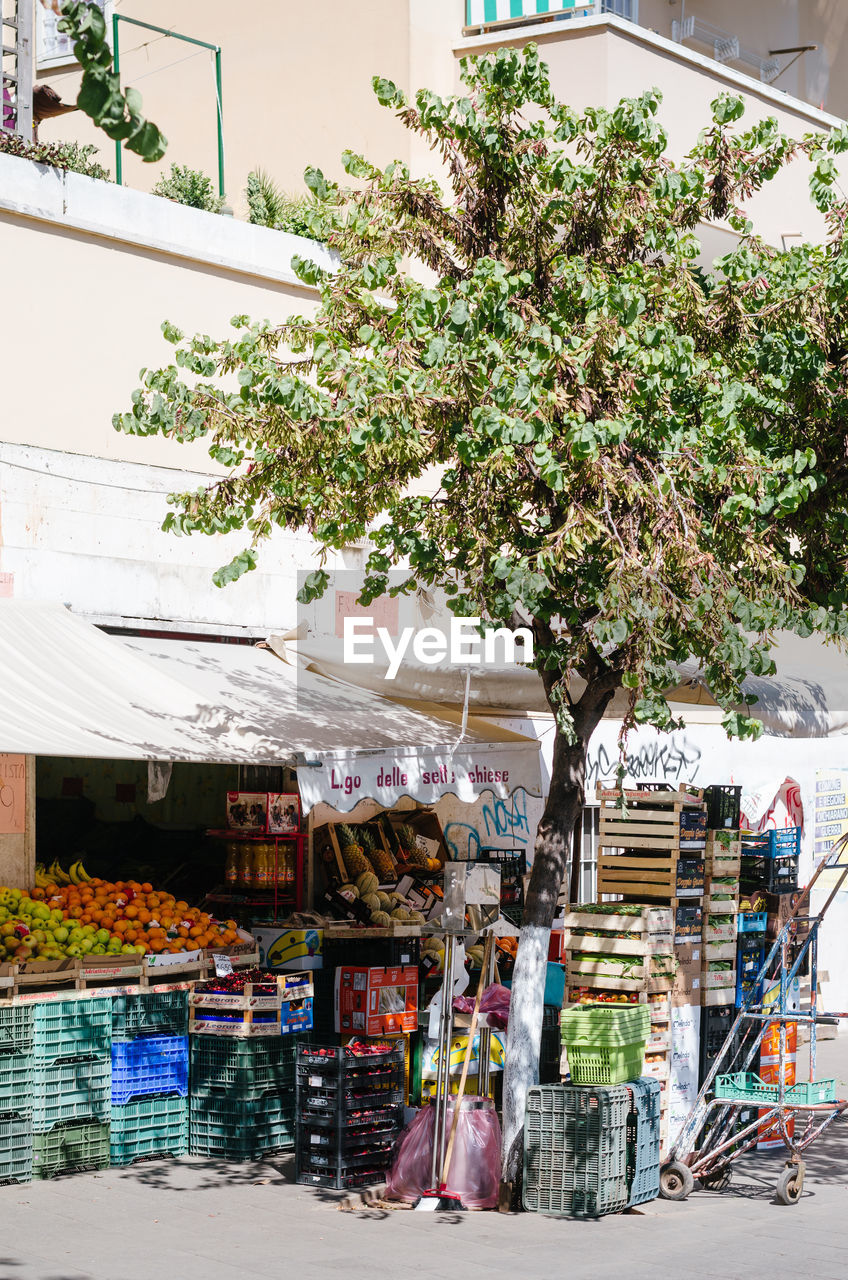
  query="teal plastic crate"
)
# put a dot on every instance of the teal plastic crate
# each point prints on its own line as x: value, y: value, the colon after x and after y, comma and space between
x: 148, y: 1127
x: 17, y: 1023
x: 73, y: 1028
x: 575, y: 1150
x: 78, y: 1090
x: 150, y: 1013
x: 745, y: 1086
x: 15, y: 1147
x: 71, y: 1148
x: 246, y: 1130
x: 242, y: 1067
x: 16, y: 1081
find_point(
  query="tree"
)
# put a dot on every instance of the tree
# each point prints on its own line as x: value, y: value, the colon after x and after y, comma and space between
x: 645, y: 461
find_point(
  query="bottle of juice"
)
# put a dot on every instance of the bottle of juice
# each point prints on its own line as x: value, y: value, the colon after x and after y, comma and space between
x: 263, y: 865
x: 231, y: 864
x: 246, y: 865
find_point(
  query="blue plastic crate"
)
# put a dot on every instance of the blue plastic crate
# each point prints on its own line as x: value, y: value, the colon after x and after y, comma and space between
x: 752, y: 922
x: 72, y: 1028
x: 643, y: 1150
x: 72, y: 1091
x: 772, y: 844
x: 149, y: 1065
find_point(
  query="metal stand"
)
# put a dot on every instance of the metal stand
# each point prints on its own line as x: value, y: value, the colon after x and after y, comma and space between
x: 443, y: 1064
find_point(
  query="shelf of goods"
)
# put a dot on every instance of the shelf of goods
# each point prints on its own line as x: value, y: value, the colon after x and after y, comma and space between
x: 349, y: 1112
x: 651, y: 843
x: 590, y: 1151
x: 261, y: 871
x: 624, y: 949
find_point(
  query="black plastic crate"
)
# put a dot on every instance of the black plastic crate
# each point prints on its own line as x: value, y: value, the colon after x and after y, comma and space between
x: 774, y: 875
x: 513, y: 867
x: 350, y: 1141
x: 723, y: 803
x: 716, y: 1021
x: 354, y: 1121
x: 330, y: 1060
x: 550, y: 1050
x: 342, y: 1177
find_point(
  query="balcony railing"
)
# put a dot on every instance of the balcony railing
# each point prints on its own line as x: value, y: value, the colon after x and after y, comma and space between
x: 491, y: 15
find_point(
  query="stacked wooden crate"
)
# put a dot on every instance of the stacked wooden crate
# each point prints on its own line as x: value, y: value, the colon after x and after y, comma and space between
x: 722, y: 861
x: 651, y: 849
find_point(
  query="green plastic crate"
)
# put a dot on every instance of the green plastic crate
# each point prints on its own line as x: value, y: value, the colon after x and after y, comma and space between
x: 150, y: 1013
x: 77, y: 1090
x: 575, y: 1150
x: 70, y: 1148
x: 243, y: 1068
x: 73, y: 1028
x: 599, y: 1065
x: 241, y: 1130
x: 15, y: 1147
x: 147, y: 1127
x: 16, y: 1081
x: 745, y: 1086
x: 612, y: 1026
x: 17, y: 1022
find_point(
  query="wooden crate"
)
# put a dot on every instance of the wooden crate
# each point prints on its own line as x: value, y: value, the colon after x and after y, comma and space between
x: 638, y: 877
x: 717, y: 951
x: 717, y: 996
x: 200, y: 1024
x: 719, y: 979
x: 607, y: 792
x: 651, y: 920
x: 600, y: 974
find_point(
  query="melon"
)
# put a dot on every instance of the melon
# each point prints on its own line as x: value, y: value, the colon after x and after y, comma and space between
x: 400, y: 913
x: 381, y: 919
x: 416, y: 917
x: 350, y: 890
x: 385, y: 900
x: 366, y: 883
x: 372, y: 902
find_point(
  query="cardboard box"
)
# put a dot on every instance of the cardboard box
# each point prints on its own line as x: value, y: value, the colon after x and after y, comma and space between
x: 688, y: 922
x: 375, y: 1002
x: 247, y: 811
x: 693, y: 829
x: 283, y: 813
x: 690, y: 877
x: 286, y: 949
x: 296, y: 1016
x: 687, y: 981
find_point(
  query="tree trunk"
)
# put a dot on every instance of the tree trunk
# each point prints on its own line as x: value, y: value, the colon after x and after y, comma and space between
x: 553, y: 838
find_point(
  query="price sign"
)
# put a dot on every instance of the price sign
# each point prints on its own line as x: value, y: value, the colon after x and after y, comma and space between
x: 223, y: 965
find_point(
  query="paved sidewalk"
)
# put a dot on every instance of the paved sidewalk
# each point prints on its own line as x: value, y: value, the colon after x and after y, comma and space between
x: 204, y: 1220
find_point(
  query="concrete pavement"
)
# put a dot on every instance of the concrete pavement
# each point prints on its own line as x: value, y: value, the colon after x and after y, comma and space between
x: 205, y: 1220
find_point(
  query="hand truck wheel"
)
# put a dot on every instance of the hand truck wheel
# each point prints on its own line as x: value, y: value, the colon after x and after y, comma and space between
x: 790, y: 1184
x: 676, y: 1181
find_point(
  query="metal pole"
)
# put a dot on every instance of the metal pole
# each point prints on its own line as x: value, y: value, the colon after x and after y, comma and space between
x: 443, y: 1063
x: 116, y: 63
x: 220, y: 103
x: 814, y: 982
x: 485, y: 1041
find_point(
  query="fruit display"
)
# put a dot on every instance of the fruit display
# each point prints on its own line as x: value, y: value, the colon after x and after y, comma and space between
x: 384, y: 907
x: 414, y: 856
x: 70, y: 914
x: 381, y: 860
x: 353, y: 854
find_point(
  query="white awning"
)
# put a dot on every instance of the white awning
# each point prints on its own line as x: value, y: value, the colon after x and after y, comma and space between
x: 68, y: 689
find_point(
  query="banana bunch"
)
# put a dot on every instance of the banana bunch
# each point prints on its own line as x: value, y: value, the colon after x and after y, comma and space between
x: 55, y: 875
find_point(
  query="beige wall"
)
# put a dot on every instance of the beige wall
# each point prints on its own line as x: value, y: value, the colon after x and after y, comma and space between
x: 599, y: 64
x: 297, y: 86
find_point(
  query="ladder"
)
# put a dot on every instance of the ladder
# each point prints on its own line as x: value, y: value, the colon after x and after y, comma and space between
x: 17, y: 39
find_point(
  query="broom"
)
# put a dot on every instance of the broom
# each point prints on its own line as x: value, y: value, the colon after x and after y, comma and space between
x: 442, y: 1198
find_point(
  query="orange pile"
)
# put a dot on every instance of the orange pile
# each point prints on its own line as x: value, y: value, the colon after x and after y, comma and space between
x: 137, y: 915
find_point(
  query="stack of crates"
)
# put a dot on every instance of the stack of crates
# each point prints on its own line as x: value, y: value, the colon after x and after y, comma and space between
x: 70, y: 1085
x: 149, y: 1076
x: 16, y: 1062
x: 590, y: 1151
x: 349, y: 1114
x: 242, y: 1096
x: 770, y: 860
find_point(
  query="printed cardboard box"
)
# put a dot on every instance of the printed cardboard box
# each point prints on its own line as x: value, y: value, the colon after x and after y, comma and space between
x: 375, y: 1002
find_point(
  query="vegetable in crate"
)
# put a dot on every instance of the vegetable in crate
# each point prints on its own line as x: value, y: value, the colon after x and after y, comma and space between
x: 354, y: 857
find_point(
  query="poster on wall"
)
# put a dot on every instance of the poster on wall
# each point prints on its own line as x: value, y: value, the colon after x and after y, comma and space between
x: 830, y: 817
x: 53, y: 47
x: 12, y: 795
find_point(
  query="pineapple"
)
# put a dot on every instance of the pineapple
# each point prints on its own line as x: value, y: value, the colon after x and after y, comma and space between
x: 354, y: 858
x: 382, y: 862
x: 415, y: 856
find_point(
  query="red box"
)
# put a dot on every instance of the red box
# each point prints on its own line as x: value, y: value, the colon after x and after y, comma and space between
x: 376, y: 1002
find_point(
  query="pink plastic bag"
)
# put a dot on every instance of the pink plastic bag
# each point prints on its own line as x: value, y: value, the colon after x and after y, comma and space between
x: 495, y: 1002
x: 475, y: 1167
